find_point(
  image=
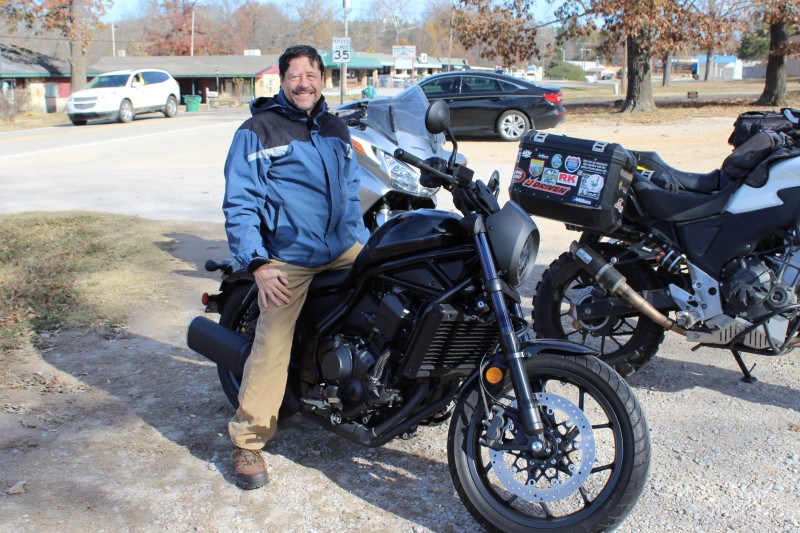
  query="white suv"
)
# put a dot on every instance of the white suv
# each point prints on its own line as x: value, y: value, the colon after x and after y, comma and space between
x: 123, y: 94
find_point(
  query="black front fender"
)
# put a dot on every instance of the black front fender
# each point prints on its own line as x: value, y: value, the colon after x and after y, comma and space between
x: 535, y: 347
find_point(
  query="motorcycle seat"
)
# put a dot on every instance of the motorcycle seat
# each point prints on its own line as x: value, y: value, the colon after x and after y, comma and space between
x: 680, y: 206
x: 329, y: 279
x: 674, y: 196
x: 670, y: 178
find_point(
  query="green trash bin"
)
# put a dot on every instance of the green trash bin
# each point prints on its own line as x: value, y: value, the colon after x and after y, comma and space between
x: 369, y: 92
x: 192, y: 102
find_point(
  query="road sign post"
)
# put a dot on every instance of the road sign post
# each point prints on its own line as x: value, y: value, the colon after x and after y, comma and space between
x: 341, y: 55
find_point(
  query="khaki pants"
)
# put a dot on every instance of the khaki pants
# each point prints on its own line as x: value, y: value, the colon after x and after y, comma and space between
x: 266, y: 370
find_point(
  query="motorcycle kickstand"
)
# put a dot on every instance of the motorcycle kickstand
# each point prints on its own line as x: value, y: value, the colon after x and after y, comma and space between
x: 748, y: 376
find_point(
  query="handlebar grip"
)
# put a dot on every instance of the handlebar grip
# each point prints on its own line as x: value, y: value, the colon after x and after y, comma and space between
x: 415, y: 161
x: 411, y: 159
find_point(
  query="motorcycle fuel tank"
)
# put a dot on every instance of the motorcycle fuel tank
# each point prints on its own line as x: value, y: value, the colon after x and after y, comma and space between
x: 412, y: 232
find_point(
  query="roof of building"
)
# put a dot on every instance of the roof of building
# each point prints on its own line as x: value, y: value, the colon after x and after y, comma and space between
x: 192, y: 66
x: 16, y: 62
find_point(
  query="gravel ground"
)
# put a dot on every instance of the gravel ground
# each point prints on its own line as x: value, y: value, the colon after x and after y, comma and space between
x: 126, y: 432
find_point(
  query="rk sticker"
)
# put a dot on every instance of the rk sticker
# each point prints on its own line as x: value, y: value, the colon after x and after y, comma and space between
x: 546, y: 187
x: 518, y: 175
x: 572, y: 163
x: 536, y: 167
x: 525, y: 154
x: 619, y: 206
x: 555, y: 161
x: 567, y: 179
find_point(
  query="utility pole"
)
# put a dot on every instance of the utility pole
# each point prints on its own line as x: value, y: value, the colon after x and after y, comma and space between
x: 191, y: 52
x: 343, y: 65
x: 113, y: 42
x: 450, y: 46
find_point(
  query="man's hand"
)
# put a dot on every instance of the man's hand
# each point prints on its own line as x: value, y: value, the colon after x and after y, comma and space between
x: 271, y: 286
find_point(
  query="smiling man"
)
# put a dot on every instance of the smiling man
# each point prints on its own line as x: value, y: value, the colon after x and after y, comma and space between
x: 291, y: 211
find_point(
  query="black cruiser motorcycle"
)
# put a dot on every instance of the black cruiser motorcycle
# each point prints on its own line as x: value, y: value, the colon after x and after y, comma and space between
x: 713, y: 257
x: 543, y: 436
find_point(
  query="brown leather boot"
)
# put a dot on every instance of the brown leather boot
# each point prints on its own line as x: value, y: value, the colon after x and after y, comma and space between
x: 250, y: 468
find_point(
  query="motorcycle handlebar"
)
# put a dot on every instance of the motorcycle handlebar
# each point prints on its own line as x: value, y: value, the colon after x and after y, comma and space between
x: 415, y: 161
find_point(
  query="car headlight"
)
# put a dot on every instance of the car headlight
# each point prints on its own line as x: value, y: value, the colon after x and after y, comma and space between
x: 404, y: 177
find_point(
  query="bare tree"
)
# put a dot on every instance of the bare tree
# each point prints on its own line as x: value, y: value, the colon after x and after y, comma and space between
x: 714, y: 25
x: 646, y: 29
x: 781, y: 16
x: 75, y: 20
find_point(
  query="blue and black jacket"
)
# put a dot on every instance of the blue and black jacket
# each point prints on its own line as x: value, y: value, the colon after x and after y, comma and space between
x: 291, y: 187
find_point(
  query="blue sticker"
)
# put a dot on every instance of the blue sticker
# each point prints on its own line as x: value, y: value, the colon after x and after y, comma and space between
x: 572, y: 163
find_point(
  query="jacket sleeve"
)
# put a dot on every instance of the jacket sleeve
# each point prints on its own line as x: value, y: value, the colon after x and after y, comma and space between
x: 245, y: 196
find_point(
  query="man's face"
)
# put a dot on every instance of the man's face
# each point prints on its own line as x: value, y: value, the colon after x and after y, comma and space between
x: 302, y: 84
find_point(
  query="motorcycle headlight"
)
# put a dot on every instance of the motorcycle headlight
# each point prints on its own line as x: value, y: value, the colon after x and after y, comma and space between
x: 514, y: 238
x: 404, y: 177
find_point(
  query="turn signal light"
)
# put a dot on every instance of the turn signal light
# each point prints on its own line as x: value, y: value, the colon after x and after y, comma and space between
x: 494, y: 375
x: 205, y: 298
x: 358, y: 147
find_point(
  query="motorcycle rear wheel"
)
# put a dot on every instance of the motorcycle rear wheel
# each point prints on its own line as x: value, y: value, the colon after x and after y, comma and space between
x: 234, y: 316
x: 240, y: 313
x: 601, y: 457
x: 626, y: 342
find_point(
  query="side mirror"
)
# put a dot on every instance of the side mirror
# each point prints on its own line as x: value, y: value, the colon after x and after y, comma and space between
x: 437, y: 118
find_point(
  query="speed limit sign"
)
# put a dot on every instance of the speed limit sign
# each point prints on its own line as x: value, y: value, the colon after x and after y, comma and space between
x: 341, y: 49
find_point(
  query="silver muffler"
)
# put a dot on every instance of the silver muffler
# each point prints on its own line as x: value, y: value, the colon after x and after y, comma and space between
x: 615, y: 283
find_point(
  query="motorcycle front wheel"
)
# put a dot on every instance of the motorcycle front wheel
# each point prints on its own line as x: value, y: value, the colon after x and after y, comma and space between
x: 625, y: 341
x: 594, y: 471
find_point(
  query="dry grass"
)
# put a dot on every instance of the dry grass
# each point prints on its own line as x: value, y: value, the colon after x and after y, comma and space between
x: 74, y: 269
x: 28, y: 121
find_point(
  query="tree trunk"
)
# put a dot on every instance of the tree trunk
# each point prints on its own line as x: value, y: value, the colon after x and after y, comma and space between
x: 639, y: 97
x: 77, y: 45
x: 709, y: 61
x: 666, y: 81
x: 775, y: 85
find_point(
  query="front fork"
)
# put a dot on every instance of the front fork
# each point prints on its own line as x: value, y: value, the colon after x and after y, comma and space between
x: 529, y: 413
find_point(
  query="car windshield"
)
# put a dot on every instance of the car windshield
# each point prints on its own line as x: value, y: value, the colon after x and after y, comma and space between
x: 403, y: 112
x: 111, y: 80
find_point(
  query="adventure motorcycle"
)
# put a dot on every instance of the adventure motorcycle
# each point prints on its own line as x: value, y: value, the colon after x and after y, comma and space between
x: 542, y: 435
x: 718, y: 252
x: 378, y: 128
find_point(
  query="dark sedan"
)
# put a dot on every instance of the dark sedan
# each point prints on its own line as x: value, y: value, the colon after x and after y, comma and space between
x: 486, y: 103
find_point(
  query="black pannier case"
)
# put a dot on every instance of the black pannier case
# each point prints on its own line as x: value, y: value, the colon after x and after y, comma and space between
x: 577, y: 181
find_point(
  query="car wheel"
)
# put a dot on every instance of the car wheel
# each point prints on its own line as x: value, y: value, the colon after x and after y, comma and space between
x: 171, y: 109
x: 125, y: 111
x: 79, y: 122
x: 512, y: 125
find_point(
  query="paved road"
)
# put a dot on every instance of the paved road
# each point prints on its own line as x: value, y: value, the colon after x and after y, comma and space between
x: 169, y: 169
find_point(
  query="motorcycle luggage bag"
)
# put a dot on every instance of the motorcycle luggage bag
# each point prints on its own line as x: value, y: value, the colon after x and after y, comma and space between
x: 750, y: 123
x: 576, y: 181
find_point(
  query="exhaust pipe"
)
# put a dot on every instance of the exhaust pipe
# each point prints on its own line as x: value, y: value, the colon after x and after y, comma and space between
x: 615, y: 283
x: 223, y: 346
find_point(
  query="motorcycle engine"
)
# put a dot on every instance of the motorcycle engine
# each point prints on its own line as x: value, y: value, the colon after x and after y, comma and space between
x: 751, y: 289
x: 354, y: 368
x: 345, y: 365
